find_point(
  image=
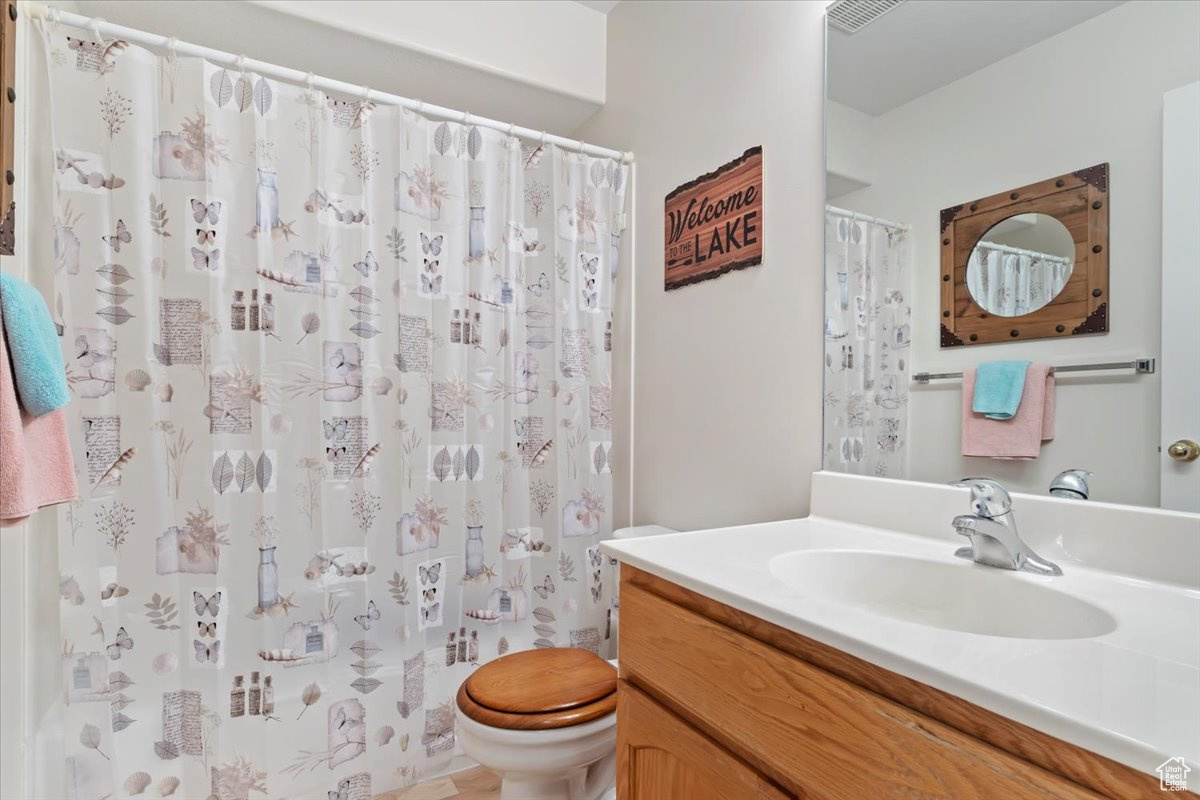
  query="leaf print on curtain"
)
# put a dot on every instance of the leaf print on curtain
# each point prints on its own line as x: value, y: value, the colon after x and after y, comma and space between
x: 341, y: 381
x: 868, y: 331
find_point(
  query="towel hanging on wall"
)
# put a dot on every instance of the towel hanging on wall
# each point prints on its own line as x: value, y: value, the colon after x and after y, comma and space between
x: 36, y: 469
x: 1020, y: 437
x: 34, y: 351
x: 998, y: 388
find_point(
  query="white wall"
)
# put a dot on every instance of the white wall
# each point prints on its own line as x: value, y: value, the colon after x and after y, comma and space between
x: 1091, y: 94
x: 559, y: 46
x: 850, y: 156
x: 727, y: 373
x: 538, y: 64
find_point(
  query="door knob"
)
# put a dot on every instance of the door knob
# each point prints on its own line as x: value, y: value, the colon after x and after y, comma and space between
x: 1184, y: 450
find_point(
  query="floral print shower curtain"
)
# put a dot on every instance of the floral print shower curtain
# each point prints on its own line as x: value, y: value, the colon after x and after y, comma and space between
x: 1010, y: 284
x: 342, y: 417
x: 867, y: 336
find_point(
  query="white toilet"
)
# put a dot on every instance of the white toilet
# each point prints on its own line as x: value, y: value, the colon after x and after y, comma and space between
x: 545, y: 720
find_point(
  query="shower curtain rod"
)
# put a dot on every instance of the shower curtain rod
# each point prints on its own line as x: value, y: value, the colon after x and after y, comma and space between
x: 842, y: 212
x: 100, y: 27
x: 1004, y: 248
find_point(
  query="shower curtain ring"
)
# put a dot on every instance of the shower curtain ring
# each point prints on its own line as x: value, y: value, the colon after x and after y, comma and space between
x: 172, y: 44
x: 511, y: 130
x: 310, y: 80
x: 241, y: 64
x: 466, y: 118
x: 420, y: 107
x: 366, y: 94
x: 581, y: 146
x: 543, y: 138
x: 96, y: 22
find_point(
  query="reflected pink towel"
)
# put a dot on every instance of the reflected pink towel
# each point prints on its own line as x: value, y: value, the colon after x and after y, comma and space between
x: 1020, y: 437
x: 36, y: 467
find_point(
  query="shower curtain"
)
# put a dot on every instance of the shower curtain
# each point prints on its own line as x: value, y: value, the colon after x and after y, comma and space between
x: 342, y: 416
x: 867, y: 336
x: 1011, y: 284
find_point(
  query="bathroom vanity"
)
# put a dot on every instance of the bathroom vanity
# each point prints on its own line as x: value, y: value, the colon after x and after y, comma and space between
x: 836, y: 658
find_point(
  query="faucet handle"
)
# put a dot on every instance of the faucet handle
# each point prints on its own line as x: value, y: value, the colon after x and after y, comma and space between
x: 989, y: 498
x: 1071, y: 483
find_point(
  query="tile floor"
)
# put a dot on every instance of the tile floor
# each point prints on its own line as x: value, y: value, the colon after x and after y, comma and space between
x: 470, y: 784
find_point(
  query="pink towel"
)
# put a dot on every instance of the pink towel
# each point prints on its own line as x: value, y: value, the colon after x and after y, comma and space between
x: 36, y: 467
x: 1020, y: 437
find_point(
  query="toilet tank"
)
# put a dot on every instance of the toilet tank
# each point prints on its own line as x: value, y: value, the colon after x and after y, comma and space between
x: 641, y: 530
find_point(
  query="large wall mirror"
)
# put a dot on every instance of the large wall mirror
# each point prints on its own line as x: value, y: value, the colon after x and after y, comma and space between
x: 1033, y: 197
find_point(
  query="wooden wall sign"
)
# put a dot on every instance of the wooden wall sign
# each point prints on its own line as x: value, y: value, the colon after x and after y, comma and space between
x: 714, y: 224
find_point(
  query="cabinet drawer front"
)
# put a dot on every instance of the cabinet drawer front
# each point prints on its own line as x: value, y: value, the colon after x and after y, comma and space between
x: 660, y: 756
x: 811, y: 732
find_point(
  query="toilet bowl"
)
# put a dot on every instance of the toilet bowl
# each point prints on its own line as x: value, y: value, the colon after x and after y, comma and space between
x: 545, y: 720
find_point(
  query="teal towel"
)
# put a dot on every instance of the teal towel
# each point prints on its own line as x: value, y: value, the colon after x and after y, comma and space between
x: 998, y: 388
x: 36, y: 355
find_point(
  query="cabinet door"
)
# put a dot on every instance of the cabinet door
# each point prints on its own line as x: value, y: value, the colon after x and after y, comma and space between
x: 660, y: 757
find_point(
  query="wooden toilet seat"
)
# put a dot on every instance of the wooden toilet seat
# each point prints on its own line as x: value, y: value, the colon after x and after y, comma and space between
x: 540, y: 689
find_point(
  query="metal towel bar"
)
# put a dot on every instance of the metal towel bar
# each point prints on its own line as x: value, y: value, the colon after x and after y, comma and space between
x: 1144, y: 366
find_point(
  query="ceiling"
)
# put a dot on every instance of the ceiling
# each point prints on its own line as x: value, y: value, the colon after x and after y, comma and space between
x: 925, y: 44
x: 603, y: 6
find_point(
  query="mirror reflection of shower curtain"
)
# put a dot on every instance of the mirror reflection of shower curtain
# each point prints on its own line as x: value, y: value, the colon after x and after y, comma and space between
x: 1012, y: 284
x: 867, y: 336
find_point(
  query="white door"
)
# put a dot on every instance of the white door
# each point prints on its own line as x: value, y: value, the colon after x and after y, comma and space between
x: 1181, y: 300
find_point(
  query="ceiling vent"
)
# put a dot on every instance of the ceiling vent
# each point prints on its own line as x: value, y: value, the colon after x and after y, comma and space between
x: 852, y: 16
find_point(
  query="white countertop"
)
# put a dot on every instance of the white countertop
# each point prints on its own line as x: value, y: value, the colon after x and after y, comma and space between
x: 1132, y: 695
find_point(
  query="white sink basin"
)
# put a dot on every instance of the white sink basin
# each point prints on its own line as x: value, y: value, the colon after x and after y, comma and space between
x: 959, y: 596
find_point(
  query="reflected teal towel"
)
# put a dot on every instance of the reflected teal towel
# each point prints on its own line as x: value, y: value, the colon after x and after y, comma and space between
x: 37, y: 360
x: 998, y: 388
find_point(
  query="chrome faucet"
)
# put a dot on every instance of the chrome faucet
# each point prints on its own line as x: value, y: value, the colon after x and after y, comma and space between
x: 1071, y: 484
x: 992, y: 529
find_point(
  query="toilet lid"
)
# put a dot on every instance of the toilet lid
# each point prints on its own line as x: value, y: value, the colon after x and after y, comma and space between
x: 542, y: 681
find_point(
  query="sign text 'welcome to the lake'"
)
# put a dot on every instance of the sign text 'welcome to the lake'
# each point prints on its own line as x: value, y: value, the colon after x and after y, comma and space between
x: 714, y: 224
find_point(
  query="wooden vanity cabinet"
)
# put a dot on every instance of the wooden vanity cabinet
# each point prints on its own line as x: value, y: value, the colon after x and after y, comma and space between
x: 661, y: 756
x: 714, y: 703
